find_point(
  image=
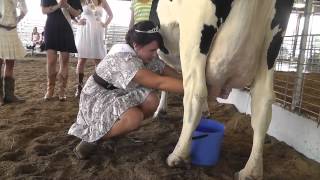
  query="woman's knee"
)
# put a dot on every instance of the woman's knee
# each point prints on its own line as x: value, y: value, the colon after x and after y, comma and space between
x: 51, y: 57
x: 133, y: 118
x: 64, y: 58
x: 150, y: 105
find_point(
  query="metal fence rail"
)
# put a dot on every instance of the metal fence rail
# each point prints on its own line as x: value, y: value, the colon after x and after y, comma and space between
x: 286, y: 75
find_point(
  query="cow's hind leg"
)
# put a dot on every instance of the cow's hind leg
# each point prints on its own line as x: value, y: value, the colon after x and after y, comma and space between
x: 261, y: 110
x: 196, y: 33
x: 262, y: 90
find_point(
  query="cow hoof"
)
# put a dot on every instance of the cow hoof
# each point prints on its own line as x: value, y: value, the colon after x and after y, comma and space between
x: 176, y: 161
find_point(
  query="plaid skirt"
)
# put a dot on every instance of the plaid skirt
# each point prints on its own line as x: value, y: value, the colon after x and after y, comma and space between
x: 10, y: 45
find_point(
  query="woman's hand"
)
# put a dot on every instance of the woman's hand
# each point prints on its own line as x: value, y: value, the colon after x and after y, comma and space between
x: 62, y: 3
x: 103, y: 24
x: 82, y: 22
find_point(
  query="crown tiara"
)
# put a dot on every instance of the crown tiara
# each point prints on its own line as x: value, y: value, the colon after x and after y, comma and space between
x: 153, y: 30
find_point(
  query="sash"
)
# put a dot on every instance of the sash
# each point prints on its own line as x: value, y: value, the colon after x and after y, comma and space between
x: 66, y: 14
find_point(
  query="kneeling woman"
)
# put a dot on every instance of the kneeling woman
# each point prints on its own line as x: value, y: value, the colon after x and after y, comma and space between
x: 120, y: 94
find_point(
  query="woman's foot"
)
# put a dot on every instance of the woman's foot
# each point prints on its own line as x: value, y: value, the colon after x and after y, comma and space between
x: 48, y: 96
x: 62, y: 97
x: 84, y: 149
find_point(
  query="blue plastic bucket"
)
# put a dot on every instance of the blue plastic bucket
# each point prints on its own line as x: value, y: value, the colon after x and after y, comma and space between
x: 206, y: 142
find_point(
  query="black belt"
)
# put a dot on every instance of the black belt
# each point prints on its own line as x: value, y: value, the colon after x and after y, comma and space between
x: 102, y: 82
x: 8, y: 28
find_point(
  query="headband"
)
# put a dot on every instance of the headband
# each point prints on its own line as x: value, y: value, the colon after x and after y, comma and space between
x: 151, y: 31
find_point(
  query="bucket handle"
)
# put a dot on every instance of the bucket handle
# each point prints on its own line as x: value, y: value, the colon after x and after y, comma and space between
x: 200, y: 136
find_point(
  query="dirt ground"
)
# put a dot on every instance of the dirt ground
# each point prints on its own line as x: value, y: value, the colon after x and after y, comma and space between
x: 34, y: 143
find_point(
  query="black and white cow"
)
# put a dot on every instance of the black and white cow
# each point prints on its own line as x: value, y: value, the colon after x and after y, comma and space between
x: 223, y: 44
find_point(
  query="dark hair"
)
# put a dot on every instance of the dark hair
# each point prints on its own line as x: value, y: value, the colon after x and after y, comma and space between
x: 134, y: 35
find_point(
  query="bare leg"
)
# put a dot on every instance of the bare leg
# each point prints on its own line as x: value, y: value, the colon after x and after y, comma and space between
x: 8, y: 69
x: 80, y: 75
x: 80, y: 65
x: 131, y: 119
x: 51, y: 72
x: 63, y: 74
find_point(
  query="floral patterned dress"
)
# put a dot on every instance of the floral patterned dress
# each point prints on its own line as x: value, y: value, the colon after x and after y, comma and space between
x: 100, y: 108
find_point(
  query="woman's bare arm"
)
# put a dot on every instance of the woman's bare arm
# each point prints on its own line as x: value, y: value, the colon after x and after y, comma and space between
x: 107, y: 8
x: 51, y: 9
x: 169, y: 71
x: 150, y: 79
x: 73, y: 12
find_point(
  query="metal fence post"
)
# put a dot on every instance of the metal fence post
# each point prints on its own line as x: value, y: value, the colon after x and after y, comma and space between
x: 301, y: 59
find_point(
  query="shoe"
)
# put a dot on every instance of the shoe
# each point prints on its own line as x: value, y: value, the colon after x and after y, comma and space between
x: 50, y: 86
x: 63, y: 84
x: 9, y: 88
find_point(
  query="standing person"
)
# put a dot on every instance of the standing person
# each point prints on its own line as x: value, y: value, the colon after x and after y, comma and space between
x: 10, y: 47
x: 120, y: 94
x: 90, y: 36
x: 58, y: 36
x: 140, y: 11
x: 35, y: 38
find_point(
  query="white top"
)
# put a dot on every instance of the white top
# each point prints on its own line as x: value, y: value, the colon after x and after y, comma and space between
x: 8, y: 12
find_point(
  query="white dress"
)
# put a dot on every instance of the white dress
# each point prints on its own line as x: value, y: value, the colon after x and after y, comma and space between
x: 10, y: 44
x: 90, y: 37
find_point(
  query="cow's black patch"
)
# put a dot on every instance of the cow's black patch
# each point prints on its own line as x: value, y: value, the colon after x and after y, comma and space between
x: 281, y: 18
x: 223, y: 8
x: 207, y: 34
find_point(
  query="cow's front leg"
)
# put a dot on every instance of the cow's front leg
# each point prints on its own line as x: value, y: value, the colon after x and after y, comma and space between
x: 196, y: 35
x: 193, y: 101
x: 261, y: 104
